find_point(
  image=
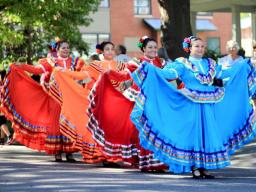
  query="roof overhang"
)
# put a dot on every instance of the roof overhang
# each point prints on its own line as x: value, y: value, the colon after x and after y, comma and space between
x: 222, y: 5
x: 201, y: 24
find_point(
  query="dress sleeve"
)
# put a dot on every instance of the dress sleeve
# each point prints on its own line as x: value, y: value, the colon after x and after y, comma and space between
x: 78, y: 75
x: 80, y: 64
x: 36, y: 70
x: 172, y: 70
x: 132, y: 67
x: 119, y: 76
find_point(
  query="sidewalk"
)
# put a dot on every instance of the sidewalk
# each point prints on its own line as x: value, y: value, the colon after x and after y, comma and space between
x: 22, y: 169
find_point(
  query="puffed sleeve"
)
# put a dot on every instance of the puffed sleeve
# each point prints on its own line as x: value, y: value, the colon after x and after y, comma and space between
x: 36, y: 70
x: 172, y: 70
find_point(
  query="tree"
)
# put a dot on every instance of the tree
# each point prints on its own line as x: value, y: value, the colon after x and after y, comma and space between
x: 175, y: 16
x: 27, y: 24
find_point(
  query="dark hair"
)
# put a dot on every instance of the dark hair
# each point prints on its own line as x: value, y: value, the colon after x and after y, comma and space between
x: 145, y: 42
x: 122, y: 49
x: 95, y: 57
x: 60, y: 43
x: 241, y: 52
x: 103, y: 44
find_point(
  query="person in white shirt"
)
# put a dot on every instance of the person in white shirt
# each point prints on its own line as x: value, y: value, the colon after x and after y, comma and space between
x: 232, y: 57
x: 121, y: 56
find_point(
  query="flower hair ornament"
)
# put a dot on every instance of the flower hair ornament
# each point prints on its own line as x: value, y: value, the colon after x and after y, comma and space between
x: 142, y: 39
x: 187, y: 43
x: 54, y: 44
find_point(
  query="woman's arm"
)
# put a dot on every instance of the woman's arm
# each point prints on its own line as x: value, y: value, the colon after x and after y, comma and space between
x: 120, y: 75
x: 78, y: 75
x: 36, y: 70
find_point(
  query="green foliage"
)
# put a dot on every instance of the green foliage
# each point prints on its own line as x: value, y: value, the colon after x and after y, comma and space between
x: 27, y: 25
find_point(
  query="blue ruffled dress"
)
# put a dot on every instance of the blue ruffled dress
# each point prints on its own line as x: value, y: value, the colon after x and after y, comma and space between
x: 200, y: 125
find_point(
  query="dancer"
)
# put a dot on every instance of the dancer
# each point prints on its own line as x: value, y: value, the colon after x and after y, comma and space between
x: 198, y: 127
x: 74, y: 101
x: 4, y: 131
x: 35, y: 114
x: 110, y: 115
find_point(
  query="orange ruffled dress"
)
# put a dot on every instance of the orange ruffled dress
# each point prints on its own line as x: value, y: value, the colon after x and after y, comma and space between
x: 74, y: 101
x: 68, y: 90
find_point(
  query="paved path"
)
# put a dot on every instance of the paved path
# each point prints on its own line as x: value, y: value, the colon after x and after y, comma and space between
x: 22, y: 169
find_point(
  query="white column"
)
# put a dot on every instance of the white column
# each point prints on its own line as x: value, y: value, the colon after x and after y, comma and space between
x: 193, y: 22
x: 254, y: 26
x: 236, y: 24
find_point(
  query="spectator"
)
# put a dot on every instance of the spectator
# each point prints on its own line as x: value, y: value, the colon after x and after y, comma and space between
x: 253, y: 60
x: 121, y: 56
x: 232, y: 57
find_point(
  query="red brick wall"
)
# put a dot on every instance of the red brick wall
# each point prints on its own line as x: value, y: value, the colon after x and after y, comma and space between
x: 125, y: 24
x: 223, y: 22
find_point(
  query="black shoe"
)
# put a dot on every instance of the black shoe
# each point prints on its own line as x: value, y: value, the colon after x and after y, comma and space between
x: 110, y: 164
x: 143, y: 170
x: 197, y: 174
x: 58, y: 157
x: 206, y: 174
x: 70, y: 158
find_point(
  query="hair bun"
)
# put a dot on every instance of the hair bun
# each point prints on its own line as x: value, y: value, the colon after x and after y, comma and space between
x: 98, y: 48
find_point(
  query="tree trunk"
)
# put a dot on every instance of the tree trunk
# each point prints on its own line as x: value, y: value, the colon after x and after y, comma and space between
x: 28, y: 36
x: 175, y: 16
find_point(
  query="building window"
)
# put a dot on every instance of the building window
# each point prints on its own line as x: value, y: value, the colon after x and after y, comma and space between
x: 142, y: 7
x: 104, y: 3
x: 213, y: 43
x: 94, y: 38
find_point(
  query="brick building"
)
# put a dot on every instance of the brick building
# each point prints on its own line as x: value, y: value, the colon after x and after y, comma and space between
x: 125, y: 21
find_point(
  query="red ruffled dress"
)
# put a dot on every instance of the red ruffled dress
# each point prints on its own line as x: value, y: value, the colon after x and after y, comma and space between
x: 33, y: 112
x: 110, y: 123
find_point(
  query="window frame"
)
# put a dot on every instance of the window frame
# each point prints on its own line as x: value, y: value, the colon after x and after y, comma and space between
x: 104, y: 6
x: 215, y: 37
x: 136, y: 8
x: 97, y: 38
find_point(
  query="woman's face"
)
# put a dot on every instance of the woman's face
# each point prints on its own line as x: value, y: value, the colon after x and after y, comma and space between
x: 150, y: 50
x: 233, y: 51
x: 64, y: 50
x: 197, y: 49
x: 109, y: 52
